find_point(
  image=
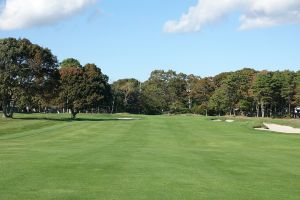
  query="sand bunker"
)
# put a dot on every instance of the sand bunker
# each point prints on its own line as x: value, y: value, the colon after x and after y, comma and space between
x: 280, y: 129
x: 219, y: 120
x: 127, y: 118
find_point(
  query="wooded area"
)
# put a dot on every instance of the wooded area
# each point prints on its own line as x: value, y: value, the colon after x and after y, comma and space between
x: 32, y: 80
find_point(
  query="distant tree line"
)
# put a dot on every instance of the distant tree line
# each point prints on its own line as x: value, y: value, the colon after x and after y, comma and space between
x: 32, y: 80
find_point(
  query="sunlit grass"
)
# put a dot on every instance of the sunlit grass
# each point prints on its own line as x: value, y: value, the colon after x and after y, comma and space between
x: 48, y: 156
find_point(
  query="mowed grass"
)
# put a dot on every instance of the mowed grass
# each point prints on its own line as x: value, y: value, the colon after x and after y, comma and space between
x: 154, y: 158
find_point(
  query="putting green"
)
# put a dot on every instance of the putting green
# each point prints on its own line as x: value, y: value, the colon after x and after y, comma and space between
x: 155, y: 158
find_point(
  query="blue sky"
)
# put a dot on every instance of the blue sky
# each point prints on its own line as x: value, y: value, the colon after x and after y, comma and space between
x: 127, y: 39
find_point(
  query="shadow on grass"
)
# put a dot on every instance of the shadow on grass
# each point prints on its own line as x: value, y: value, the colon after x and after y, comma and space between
x: 71, y: 120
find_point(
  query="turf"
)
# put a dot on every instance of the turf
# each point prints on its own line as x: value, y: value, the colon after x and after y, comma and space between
x: 156, y: 158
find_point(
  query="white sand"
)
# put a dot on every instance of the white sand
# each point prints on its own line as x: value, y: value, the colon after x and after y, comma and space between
x: 126, y: 118
x: 280, y: 129
x: 229, y: 120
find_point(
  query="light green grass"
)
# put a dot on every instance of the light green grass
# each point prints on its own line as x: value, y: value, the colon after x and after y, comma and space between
x: 155, y: 158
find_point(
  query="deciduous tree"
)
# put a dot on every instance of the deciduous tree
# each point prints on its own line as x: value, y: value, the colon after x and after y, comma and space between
x: 26, y: 70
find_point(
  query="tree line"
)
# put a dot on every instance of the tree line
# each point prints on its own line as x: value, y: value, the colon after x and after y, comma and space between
x: 32, y: 80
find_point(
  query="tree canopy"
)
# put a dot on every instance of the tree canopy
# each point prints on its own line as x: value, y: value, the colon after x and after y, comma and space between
x: 31, y: 79
x: 26, y: 71
x: 82, y: 88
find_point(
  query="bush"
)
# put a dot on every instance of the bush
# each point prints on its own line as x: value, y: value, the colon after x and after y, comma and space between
x: 179, y: 108
x: 200, y: 109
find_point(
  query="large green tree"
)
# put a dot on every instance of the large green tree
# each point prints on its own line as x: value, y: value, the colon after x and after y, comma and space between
x: 70, y: 62
x: 219, y: 101
x: 296, y: 96
x: 126, y: 95
x: 262, y: 91
x: 152, y: 99
x: 72, y: 87
x: 287, y: 90
x: 237, y: 85
x: 82, y: 88
x: 201, y: 92
x: 26, y: 71
x: 97, y: 92
x: 173, y: 88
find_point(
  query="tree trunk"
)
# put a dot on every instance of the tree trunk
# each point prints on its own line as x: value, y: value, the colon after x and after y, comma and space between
x: 125, y: 101
x: 257, y: 110
x: 190, y: 103
x: 73, y: 113
x: 8, y: 110
x: 262, y: 109
x: 112, y: 107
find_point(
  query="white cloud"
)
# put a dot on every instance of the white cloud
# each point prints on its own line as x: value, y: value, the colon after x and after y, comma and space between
x: 19, y: 14
x: 254, y: 14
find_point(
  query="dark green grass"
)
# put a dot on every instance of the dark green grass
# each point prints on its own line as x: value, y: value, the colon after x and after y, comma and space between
x: 156, y: 157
